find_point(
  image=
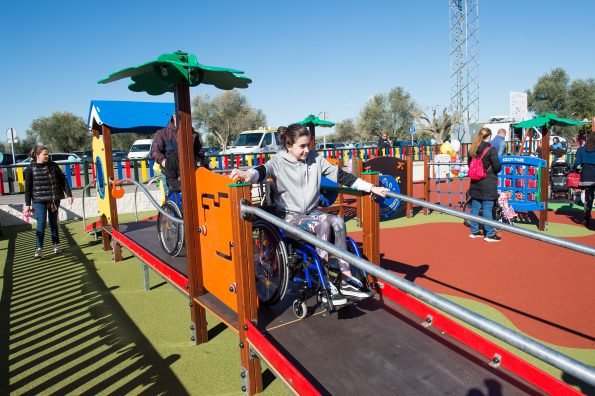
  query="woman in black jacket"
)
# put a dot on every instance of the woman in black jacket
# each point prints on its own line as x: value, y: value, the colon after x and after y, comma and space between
x: 45, y: 185
x: 484, y: 192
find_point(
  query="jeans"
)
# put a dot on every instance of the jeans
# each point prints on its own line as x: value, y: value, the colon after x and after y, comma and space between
x: 488, y: 207
x: 42, y: 213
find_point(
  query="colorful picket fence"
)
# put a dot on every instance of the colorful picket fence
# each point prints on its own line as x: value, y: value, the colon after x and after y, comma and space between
x: 79, y: 175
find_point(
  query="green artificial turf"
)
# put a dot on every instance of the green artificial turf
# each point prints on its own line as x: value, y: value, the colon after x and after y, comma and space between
x: 80, y: 323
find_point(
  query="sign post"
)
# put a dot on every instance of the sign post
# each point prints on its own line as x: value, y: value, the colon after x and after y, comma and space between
x: 412, y: 132
x: 11, y: 136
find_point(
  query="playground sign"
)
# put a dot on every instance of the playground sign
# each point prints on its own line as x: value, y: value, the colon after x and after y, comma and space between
x: 520, y: 180
x: 393, y: 175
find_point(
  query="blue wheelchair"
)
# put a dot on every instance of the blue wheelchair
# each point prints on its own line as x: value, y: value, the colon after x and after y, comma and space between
x: 280, y: 259
x: 170, y: 233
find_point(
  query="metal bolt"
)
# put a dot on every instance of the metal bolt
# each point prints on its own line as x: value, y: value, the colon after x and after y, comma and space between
x: 243, y: 389
x: 241, y: 344
x: 243, y: 374
x: 187, y: 286
x: 245, y: 327
x: 190, y: 304
x: 191, y: 327
x: 192, y: 339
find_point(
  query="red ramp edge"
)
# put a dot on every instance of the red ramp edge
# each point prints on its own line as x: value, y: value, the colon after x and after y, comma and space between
x: 278, y: 363
x: 93, y: 226
x: 508, y: 360
x: 164, y: 270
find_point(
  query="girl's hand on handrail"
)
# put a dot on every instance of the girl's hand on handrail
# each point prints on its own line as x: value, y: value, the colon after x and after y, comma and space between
x: 244, y: 176
x: 379, y: 191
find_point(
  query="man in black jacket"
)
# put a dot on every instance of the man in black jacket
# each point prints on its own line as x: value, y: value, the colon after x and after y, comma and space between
x: 383, y: 143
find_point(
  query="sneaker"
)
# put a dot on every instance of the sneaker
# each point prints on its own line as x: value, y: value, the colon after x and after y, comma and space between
x: 38, y: 253
x: 477, y: 234
x: 349, y: 289
x: 57, y: 249
x: 494, y: 238
x: 336, y: 297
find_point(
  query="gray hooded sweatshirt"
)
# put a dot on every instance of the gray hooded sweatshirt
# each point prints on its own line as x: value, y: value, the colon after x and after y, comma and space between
x: 297, y: 183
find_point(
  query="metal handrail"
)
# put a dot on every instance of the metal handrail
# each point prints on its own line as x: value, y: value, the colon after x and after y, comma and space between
x: 149, y: 197
x: 579, y: 247
x: 522, y: 342
x: 147, y: 182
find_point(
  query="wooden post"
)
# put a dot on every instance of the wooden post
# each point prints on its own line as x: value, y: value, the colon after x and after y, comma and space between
x: 190, y: 211
x: 246, y: 284
x: 107, y: 144
x: 357, y: 166
x: 409, y: 187
x: 545, y: 176
x: 426, y: 183
x: 371, y: 221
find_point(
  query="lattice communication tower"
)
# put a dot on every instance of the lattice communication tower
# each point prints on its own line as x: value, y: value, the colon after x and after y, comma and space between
x: 464, y: 62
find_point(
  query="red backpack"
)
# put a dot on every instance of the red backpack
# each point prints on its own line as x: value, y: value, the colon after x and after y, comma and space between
x: 476, y: 171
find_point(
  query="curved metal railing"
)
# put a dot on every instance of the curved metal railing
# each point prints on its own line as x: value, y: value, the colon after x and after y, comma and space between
x: 152, y: 200
x: 523, y: 343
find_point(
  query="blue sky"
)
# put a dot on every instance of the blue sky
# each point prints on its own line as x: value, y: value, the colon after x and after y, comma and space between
x: 303, y: 57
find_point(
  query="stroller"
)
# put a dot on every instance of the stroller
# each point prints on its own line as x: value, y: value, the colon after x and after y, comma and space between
x: 558, y: 177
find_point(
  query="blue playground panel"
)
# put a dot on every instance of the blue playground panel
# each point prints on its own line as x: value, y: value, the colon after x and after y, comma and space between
x: 520, y: 179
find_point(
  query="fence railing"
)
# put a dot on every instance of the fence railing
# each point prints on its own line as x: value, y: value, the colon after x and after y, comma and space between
x: 79, y: 174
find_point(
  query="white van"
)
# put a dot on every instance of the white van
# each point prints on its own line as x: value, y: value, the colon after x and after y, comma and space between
x: 141, y: 149
x: 256, y: 141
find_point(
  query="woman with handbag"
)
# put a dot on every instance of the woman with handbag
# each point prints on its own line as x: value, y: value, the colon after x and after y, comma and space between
x: 585, y: 159
x: 45, y: 186
x: 484, y: 186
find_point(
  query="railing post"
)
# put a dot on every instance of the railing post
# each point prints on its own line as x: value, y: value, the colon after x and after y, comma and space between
x: 371, y: 224
x: 246, y: 284
x: 357, y: 172
x: 426, y: 183
x: 409, y: 187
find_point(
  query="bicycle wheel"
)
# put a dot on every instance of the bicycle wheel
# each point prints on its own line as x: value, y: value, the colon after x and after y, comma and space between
x: 270, y: 263
x: 496, y: 214
x: 171, y: 234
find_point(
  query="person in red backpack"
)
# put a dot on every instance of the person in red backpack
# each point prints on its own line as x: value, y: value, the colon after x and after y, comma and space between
x: 484, y: 191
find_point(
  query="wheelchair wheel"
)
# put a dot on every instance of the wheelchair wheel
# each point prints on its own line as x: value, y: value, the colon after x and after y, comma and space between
x: 299, y: 309
x: 270, y: 263
x: 171, y: 234
x: 497, y: 214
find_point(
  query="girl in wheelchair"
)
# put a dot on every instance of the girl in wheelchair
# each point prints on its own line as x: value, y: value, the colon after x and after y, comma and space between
x: 296, y: 173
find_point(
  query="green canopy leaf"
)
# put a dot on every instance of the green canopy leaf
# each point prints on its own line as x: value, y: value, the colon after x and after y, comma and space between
x: 312, y: 120
x: 162, y: 75
x: 547, y: 119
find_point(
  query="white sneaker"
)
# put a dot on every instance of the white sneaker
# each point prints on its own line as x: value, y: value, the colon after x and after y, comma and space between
x: 57, y: 249
x: 38, y: 253
x: 353, y: 289
x: 336, y: 297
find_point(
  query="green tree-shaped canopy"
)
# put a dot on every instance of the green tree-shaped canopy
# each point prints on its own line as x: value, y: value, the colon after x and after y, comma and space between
x: 547, y: 119
x: 162, y: 75
x: 312, y: 120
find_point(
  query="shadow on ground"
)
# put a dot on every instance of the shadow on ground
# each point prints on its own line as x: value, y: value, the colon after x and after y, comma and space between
x: 66, y: 332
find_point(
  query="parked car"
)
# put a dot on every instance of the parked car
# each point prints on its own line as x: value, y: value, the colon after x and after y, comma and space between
x: 7, y: 159
x: 119, y: 155
x: 141, y: 149
x: 256, y: 141
x: 211, y: 150
x: 329, y: 146
x: 59, y: 158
